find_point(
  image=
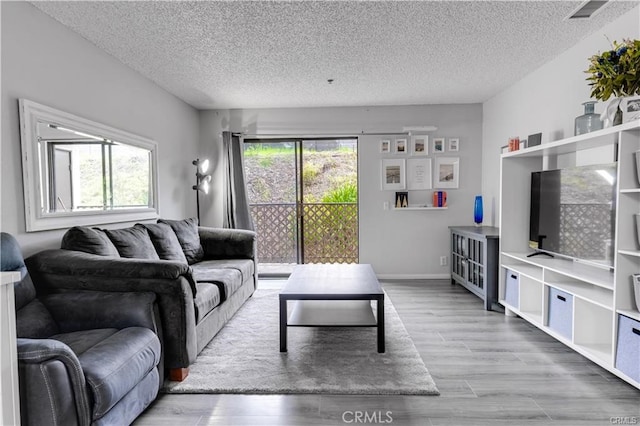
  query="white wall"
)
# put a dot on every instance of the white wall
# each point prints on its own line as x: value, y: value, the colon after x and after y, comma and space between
x: 404, y: 244
x: 45, y: 62
x: 548, y: 100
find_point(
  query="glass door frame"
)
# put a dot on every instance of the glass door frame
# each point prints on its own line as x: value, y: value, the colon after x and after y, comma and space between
x: 299, y: 183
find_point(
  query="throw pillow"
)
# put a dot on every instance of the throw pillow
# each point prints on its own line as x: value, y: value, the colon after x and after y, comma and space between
x: 133, y: 242
x: 165, y: 241
x: 187, y: 232
x: 88, y: 240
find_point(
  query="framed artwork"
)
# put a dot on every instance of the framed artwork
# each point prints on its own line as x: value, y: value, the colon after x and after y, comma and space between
x: 393, y: 174
x: 438, y: 145
x: 385, y: 146
x: 419, y: 173
x: 401, y: 146
x: 419, y: 145
x: 454, y: 144
x: 630, y: 107
x: 447, y: 172
x: 402, y: 199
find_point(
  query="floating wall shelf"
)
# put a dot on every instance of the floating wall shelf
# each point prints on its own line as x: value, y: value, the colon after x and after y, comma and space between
x: 420, y: 208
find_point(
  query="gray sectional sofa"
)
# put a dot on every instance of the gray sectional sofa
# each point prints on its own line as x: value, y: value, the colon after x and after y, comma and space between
x: 201, y: 276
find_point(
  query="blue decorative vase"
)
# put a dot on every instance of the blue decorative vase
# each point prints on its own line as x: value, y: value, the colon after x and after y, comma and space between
x: 477, y: 210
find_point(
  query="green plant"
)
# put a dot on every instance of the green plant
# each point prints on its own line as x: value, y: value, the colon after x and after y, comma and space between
x: 262, y: 151
x: 309, y: 173
x: 615, y: 72
x: 345, y: 193
x: 265, y: 162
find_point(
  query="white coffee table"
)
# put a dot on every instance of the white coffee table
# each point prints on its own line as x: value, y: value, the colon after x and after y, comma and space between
x: 336, y: 295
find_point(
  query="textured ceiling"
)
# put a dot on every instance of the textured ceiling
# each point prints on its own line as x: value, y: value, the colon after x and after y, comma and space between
x: 281, y: 54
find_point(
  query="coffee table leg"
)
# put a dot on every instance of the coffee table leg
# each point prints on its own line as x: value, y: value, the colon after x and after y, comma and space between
x: 283, y: 325
x: 380, y: 305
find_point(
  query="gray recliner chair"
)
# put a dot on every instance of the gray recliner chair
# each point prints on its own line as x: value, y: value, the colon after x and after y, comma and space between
x: 85, y: 357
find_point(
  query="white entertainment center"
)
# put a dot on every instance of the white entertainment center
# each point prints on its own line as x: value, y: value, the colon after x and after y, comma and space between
x: 586, y: 307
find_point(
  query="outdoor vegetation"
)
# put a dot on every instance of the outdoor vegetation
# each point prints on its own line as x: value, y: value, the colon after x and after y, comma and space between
x: 328, y: 176
x: 329, y: 195
x: 130, y: 178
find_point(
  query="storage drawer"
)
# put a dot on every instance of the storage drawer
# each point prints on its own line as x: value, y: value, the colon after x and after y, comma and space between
x: 628, y: 349
x: 561, y: 312
x: 512, y: 289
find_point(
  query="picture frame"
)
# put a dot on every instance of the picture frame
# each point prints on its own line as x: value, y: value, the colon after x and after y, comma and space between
x: 534, y: 140
x: 438, y: 145
x: 630, y: 107
x: 393, y: 175
x: 402, y: 200
x: 419, y: 174
x: 385, y: 146
x: 447, y: 173
x: 420, y: 145
x: 400, y: 146
x: 454, y: 144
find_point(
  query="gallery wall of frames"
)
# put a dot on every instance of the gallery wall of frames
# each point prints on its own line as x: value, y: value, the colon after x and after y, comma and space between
x: 419, y: 163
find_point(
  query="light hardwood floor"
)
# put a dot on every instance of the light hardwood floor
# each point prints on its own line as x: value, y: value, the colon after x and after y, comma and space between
x: 490, y: 370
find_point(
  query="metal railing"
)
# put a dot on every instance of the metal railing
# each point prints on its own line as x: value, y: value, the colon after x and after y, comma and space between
x: 325, y: 233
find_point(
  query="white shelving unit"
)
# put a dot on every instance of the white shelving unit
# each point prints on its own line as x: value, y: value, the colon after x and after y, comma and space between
x: 598, y: 296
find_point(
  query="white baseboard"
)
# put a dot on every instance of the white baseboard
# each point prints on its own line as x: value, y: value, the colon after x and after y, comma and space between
x: 414, y: 276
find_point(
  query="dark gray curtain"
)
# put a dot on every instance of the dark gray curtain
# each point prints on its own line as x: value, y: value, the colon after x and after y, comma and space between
x: 236, y: 203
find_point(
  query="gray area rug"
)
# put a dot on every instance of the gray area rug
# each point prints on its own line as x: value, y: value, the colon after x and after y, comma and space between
x: 245, y: 358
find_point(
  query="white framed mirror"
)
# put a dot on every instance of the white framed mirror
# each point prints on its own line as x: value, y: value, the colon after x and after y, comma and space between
x: 79, y: 172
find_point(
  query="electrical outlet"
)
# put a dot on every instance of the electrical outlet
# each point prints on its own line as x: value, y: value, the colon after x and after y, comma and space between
x: 443, y: 260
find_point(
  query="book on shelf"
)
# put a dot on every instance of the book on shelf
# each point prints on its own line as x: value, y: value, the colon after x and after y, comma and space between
x: 439, y: 198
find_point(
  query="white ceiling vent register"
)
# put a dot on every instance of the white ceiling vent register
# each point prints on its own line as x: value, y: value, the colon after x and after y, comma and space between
x: 587, y: 9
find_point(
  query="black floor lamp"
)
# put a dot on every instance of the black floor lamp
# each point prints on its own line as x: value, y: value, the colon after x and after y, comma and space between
x: 202, y: 181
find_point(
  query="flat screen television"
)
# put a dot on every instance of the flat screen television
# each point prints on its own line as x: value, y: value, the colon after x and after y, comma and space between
x: 573, y: 213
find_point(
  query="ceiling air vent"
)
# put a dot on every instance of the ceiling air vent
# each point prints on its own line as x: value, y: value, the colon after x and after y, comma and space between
x: 587, y: 9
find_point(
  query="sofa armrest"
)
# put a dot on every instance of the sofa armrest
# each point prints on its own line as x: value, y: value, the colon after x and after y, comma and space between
x: 74, y: 311
x: 52, y: 384
x: 224, y: 243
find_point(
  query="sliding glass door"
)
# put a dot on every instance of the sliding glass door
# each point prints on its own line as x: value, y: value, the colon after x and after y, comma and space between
x: 303, y: 198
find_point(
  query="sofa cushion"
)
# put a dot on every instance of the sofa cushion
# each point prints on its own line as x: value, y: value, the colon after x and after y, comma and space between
x: 187, y: 232
x: 165, y: 241
x: 34, y: 321
x: 133, y: 242
x: 89, y: 240
x: 204, y: 268
x: 23, y: 291
x: 208, y: 298
x: 81, y: 341
x: 227, y: 280
x: 115, y: 363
